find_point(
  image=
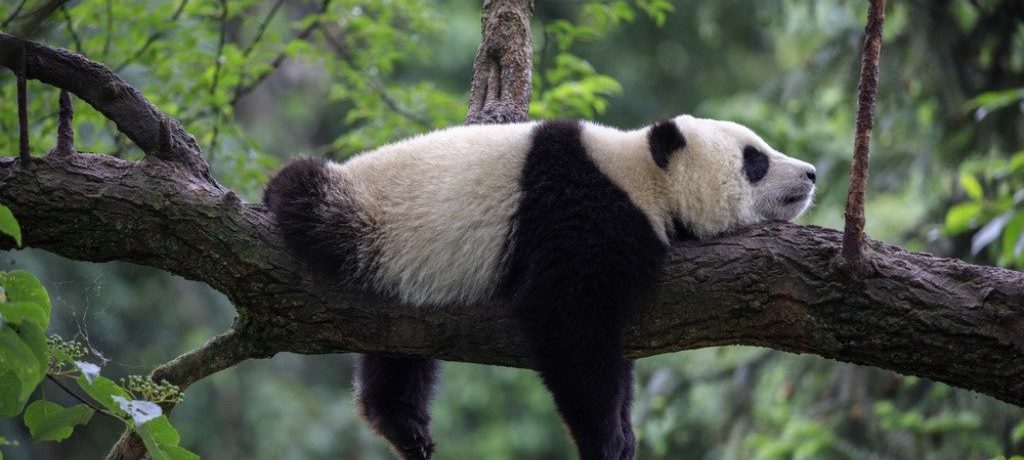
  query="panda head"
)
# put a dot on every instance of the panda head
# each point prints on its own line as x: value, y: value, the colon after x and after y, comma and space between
x: 721, y: 176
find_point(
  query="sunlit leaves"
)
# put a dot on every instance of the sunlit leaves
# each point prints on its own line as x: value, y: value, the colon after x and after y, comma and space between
x: 566, y: 85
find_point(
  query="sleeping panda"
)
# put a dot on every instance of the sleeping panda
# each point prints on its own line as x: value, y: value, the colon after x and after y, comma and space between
x: 567, y: 221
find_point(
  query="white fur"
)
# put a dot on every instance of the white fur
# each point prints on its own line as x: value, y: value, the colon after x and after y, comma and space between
x: 708, y: 189
x: 440, y: 204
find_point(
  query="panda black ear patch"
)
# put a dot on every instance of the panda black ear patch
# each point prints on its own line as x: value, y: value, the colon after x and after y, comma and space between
x: 663, y: 139
x: 755, y: 164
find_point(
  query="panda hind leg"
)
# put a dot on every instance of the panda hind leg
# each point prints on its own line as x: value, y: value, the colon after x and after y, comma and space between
x: 580, y: 362
x: 394, y: 396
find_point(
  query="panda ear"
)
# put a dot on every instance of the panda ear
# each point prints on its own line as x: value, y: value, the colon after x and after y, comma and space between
x: 663, y: 139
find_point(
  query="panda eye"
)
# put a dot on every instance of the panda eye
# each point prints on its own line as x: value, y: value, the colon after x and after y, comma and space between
x: 755, y: 164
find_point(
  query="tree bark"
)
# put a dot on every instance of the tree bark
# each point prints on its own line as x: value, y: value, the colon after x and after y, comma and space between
x: 773, y: 286
x: 500, y: 89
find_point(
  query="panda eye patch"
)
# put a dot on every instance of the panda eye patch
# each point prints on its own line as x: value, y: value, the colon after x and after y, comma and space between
x: 755, y: 164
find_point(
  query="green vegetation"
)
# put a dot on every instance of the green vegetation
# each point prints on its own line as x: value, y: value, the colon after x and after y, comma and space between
x: 27, y: 357
x: 259, y: 81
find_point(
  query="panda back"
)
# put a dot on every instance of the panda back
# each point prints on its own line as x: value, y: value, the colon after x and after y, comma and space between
x: 440, y: 206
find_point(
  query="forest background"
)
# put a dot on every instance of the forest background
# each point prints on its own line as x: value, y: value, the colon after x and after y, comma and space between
x: 260, y: 81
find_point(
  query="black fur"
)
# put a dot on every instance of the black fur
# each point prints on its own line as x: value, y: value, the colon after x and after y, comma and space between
x: 663, y: 139
x: 580, y: 257
x: 394, y: 396
x: 327, y: 239
x: 394, y: 393
x: 682, y: 232
x: 755, y: 164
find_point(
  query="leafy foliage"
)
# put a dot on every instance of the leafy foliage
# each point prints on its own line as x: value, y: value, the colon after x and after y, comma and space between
x: 27, y: 356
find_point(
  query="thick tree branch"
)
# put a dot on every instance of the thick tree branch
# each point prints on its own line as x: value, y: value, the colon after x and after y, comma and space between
x: 500, y: 90
x: 775, y: 286
x: 94, y: 83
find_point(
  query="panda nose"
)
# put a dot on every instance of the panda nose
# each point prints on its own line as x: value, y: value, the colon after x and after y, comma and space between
x: 812, y: 176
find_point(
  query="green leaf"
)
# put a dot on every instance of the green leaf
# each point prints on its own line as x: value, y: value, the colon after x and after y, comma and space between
x: 994, y: 100
x: 33, y: 336
x: 990, y: 232
x: 961, y: 217
x: 163, y: 432
x: 1014, y: 230
x: 47, y: 421
x: 18, y: 312
x: 21, y: 286
x: 102, y: 390
x: 179, y: 453
x: 20, y: 358
x: 9, y: 225
x: 1018, y: 433
x: 11, y: 401
x: 971, y: 186
x: 151, y: 445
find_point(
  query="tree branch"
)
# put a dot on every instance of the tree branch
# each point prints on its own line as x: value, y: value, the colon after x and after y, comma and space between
x: 219, y: 353
x: 853, y: 232
x: 65, y: 131
x: 500, y: 89
x: 94, y: 83
x: 774, y: 286
x: 22, y: 82
x: 14, y: 14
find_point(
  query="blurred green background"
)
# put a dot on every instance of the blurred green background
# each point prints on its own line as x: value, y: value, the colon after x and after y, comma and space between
x: 260, y: 81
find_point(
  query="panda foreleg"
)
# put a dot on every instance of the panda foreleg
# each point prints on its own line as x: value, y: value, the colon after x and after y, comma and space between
x: 577, y: 349
x: 629, y: 445
x: 394, y: 396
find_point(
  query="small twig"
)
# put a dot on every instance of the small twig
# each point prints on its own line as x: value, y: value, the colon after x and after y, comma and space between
x: 65, y: 131
x: 31, y: 21
x: 243, y: 89
x: 152, y: 38
x: 216, y: 74
x: 375, y: 84
x: 110, y: 30
x: 219, y: 353
x: 262, y: 28
x: 91, y: 404
x: 71, y: 29
x: 542, y: 63
x: 23, y: 151
x: 853, y: 233
x: 220, y: 45
x: 14, y: 14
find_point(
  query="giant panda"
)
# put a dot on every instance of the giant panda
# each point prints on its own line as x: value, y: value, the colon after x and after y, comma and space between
x: 566, y: 221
